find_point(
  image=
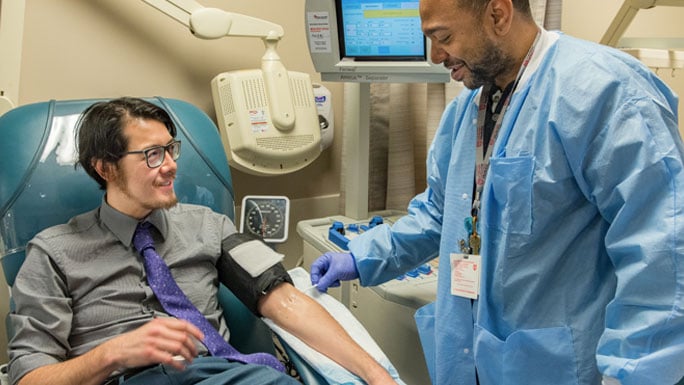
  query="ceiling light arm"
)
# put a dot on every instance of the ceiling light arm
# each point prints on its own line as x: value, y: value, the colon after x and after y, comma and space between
x: 626, y: 14
x: 214, y: 23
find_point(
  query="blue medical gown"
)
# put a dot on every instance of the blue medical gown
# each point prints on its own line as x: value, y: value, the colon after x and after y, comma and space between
x: 581, y: 222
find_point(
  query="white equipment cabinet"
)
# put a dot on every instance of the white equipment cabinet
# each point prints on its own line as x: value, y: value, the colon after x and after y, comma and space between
x: 387, y: 310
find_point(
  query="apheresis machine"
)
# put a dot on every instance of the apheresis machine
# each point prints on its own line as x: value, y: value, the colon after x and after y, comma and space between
x: 386, y: 311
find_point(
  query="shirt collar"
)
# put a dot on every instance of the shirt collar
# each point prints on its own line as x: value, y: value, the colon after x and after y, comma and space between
x: 123, y: 226
x: 546, y: 40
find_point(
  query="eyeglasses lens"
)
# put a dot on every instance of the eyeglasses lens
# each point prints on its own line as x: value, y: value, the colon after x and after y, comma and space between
x: 155, y: 155
x: 174, y: 149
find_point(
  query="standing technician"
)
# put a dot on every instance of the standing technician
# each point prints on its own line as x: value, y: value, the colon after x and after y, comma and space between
x: 554, y: 202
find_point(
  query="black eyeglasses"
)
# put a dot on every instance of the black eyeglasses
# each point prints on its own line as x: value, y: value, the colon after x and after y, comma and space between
x: 154, y: 156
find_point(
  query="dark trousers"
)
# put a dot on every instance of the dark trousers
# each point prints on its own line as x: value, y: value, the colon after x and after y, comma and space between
x: 209, y: 371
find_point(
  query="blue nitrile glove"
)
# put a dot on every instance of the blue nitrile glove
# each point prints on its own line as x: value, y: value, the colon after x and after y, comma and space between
x: 331, y: 268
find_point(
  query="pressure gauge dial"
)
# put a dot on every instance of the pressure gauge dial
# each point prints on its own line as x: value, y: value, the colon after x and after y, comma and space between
x: 265, y: 216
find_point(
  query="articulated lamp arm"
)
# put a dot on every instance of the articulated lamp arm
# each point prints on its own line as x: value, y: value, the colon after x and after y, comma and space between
x: 214, y: 23
x: 626, y: 14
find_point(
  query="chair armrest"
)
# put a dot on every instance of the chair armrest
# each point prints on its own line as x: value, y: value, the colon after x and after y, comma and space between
x: 307, y: 374
x: 248, y: 333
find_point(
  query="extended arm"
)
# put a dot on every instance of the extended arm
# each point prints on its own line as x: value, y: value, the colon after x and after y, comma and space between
x: 249, y: 269
x: 385, y: 251
x: 310, y: 322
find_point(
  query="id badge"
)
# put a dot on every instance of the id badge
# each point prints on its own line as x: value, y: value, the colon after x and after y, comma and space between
x: 465, y: 275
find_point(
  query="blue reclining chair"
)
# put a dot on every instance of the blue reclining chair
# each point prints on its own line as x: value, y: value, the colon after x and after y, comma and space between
x: 39, y: 187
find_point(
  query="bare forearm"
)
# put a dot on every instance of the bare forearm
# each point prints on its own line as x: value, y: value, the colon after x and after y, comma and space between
x: 311, y: 323
x: 91, y: 368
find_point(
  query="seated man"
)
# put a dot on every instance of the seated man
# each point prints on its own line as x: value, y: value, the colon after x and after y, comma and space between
x: 96, y: 304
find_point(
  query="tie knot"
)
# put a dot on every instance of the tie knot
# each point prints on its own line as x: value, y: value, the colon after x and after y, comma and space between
x: 142, y: 238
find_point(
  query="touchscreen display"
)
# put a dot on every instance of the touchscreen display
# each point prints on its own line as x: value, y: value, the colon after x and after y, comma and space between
x: 380, y: 30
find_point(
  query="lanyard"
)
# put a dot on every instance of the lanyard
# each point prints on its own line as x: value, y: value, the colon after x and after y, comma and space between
x: 482, y: 159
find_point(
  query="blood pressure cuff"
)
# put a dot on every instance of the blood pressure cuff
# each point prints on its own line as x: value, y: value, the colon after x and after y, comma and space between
x: 250, y: 268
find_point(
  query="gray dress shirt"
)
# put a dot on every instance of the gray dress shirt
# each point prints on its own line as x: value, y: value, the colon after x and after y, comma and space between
x: 83, y: 282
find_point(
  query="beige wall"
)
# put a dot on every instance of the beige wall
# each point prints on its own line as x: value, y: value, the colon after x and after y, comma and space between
x: 108, y: 48
x: 589, y: 19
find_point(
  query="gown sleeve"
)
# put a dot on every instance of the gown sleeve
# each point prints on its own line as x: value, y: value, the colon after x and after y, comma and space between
x: 632, y: 170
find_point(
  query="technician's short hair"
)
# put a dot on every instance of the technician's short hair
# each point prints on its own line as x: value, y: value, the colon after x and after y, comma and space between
x: 478, y: 6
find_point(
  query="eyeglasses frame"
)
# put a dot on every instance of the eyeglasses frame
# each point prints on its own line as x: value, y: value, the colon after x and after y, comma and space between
x: 167, y: 148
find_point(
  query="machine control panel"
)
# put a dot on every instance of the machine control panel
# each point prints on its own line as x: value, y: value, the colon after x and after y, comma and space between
x: 340, y: 233
x: 414, y: 289
x: 386, y: 310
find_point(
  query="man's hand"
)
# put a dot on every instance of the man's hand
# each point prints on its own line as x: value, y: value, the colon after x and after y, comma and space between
x: 331, y: 268
x: 162, y: 340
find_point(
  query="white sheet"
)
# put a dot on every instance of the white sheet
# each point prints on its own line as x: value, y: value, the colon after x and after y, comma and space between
x: 331, y: 371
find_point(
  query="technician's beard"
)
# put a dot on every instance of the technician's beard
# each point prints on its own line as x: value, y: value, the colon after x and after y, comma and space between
x: 493, y: 63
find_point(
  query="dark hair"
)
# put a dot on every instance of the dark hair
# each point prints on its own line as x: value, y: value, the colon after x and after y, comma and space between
x: 100, y: 131
x: 478, y: 6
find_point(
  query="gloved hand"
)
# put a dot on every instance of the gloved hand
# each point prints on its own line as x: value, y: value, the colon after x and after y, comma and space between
x: 331, y: 268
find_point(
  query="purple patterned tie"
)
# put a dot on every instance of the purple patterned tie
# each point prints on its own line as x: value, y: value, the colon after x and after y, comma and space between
x: 178, y: 305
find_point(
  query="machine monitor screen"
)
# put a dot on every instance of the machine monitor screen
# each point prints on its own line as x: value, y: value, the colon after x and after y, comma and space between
x: 370, y: 41
x: 371, y: 30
